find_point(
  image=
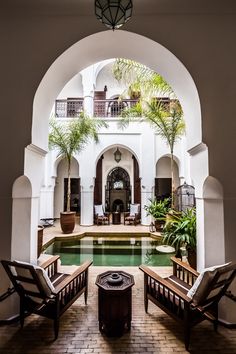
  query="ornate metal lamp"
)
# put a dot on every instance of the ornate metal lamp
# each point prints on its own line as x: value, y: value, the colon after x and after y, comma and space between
x: 117, y: 155
x: 113, y: 13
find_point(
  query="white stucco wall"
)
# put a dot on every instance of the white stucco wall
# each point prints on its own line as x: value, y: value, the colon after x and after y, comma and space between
x: 73, y: 88
x: 105, y: 77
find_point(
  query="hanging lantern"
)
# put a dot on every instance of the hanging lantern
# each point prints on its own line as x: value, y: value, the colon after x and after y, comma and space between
x: 117, y: 155
x: 113, y: 13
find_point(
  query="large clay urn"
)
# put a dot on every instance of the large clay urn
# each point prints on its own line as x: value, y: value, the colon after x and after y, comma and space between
x: 67, y: 221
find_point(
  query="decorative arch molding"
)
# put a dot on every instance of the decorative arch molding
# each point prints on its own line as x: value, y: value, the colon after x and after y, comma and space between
x: 22, y: 188
x: 101, y: 66
x: 101, y: 47
x: 210, y: 224
x: 58, y: 160
x: 176, y: 159
x: 114, y: 146
x: 23, y: 232
x: 212, y: 188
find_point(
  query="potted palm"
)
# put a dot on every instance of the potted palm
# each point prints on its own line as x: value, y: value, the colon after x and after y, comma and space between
x: 180, y: 232
x: 158, y: 210
x: 69, y: 139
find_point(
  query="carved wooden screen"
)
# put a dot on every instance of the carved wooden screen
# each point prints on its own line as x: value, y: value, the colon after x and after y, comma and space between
x: 137, y: 187
x: 98, y: 183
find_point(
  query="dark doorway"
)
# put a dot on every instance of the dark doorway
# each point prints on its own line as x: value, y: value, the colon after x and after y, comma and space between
x: 75, y: 194
x: 118, y: 190
x: 118, y: 205
x: 98, y: 183
x: 162, y: 188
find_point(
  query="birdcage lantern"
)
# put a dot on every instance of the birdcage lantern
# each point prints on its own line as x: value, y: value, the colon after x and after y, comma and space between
x: 185, y: 197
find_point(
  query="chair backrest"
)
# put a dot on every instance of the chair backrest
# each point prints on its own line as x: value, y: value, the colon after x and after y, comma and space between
x: 98, y: 209
x: 134, y: 209
x: 212, y: 284
x: 29, y: 280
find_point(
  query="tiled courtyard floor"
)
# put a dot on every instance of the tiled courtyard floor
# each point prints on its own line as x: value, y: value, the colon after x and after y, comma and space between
x: 154, y: 332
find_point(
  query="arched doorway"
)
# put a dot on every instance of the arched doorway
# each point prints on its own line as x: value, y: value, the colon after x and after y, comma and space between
x: 118, y: 190
x: 163, y: 180
x: 159, y: 59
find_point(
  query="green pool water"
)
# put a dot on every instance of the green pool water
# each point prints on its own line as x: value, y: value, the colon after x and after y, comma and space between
x: 110, y: 251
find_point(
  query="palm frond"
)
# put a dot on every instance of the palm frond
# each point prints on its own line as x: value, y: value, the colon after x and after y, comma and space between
x: 140, y: 78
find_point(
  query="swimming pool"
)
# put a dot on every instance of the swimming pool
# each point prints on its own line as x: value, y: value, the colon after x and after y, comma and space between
x: 110, y: 251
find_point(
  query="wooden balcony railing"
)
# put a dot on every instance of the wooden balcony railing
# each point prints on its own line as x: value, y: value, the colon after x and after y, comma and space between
x: 69, y: 108
x: 102, y: 108
x: 112, y: 108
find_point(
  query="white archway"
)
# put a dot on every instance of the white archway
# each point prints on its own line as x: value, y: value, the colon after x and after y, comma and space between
x: 100, y: 46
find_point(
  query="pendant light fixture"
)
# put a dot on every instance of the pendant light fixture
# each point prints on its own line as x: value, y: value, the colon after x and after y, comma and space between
x: 113, y: 13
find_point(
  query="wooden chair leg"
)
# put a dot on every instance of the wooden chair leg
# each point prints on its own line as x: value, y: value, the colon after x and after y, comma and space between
x: 216, y: 318
x: 56, y: 327
x: 85, y: 296
x: 187, y: 330
x: 22, y: 312
x: 145, y: 293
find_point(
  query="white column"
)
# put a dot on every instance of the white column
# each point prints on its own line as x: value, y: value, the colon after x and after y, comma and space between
x: 146, y: 194
x: 200, y: 234
x: 86, y: 211
x: 147, y: 170
x: 88, y: 81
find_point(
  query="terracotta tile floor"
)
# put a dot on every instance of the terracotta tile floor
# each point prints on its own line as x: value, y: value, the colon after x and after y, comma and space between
x: 152, y: 333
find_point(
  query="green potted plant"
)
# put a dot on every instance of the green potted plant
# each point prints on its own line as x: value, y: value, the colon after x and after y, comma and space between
x: 69, y: 139
x: 158, y: 210
x: 180, y: 231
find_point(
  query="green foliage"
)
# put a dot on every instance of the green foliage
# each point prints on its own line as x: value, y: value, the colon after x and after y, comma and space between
x: 158, y: 209
x: 140, y: 78
x: 180, y: 229
x: 69, y: 139
x: 169, y: 125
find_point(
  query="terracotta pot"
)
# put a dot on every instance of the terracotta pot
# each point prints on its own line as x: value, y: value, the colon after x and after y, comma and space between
x: 67, y: 221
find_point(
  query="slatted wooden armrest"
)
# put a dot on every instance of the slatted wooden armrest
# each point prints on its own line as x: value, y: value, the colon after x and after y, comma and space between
x: 184, y: 272
x: 164, y: 283
x: 49, y: 261
x: 185, y: 266
x: 69, y: 280
x: 51, y: 266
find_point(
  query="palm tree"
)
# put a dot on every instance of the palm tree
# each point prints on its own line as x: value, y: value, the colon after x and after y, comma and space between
x: 140, y: 79
x: 169, y: 125
x: 168, y: 122
x: 71, y: 138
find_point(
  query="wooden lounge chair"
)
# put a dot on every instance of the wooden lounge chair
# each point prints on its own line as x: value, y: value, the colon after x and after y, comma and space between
x: 45, y: 291
x: 187, y: 296
x: 133, y: 216
x: 100, y: 217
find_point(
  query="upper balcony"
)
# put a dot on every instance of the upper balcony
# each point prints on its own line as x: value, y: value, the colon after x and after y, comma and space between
x: 105, y: 108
